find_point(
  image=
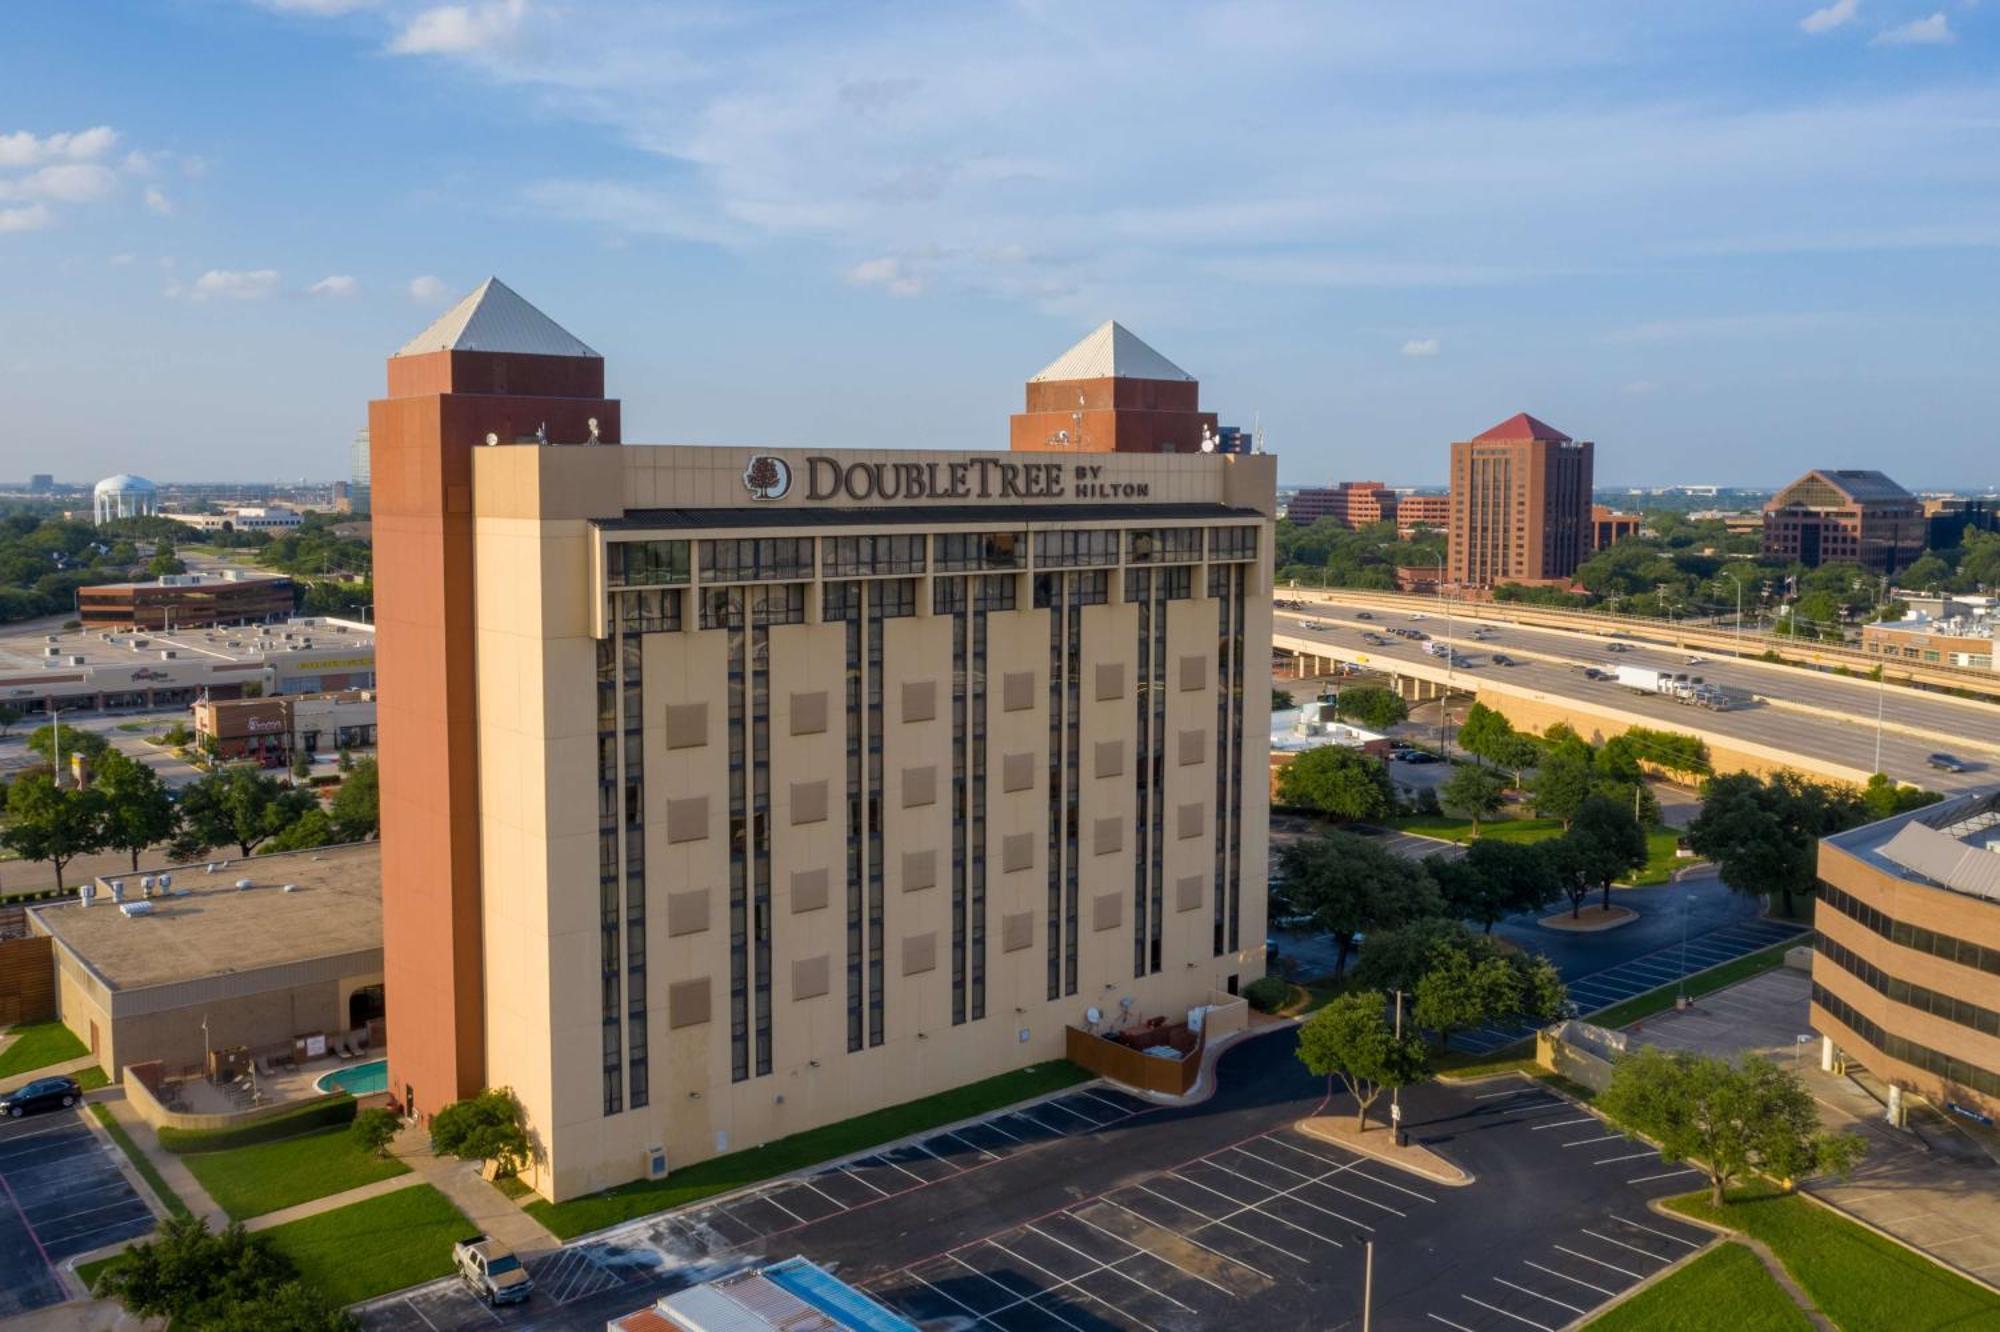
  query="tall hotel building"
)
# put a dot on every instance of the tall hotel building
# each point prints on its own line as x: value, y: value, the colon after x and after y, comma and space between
x: 728, y: 792
x: 1520, y: 505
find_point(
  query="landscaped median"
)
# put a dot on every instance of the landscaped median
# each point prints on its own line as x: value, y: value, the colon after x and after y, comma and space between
x: 721, y: 1174
x: 1662, y: 843
x: 1727, y: 1277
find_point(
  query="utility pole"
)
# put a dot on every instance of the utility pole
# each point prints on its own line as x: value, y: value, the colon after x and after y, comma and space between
x: 1396, y: 1093
x: 1367, y: 1285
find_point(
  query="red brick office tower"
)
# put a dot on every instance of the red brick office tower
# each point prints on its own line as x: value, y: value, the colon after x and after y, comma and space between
x: 1111, y: 393
x: 491, y: 365
x: 1520, y: 504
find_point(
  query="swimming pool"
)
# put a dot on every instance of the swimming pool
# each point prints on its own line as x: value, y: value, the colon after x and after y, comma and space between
x: 361, y: 1079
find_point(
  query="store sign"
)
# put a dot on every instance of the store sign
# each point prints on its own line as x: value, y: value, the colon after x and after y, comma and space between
x: 966, y: 479
x: 263, y: 725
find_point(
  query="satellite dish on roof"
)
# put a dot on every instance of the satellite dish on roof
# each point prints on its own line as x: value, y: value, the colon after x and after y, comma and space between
x: 1092, y: 1015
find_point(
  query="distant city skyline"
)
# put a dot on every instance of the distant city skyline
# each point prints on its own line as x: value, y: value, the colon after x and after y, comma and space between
x: 1742, y: 241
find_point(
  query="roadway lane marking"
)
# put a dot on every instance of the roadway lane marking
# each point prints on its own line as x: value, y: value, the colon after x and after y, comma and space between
x: 1566, y: 1123
x: 1647, y: 1179
x: 1614, y: 1160
x: 1208, y: 1221
x: 1636, y: 1276
x: 1577, y: 1280
x: 1538, y: 1295
x: 1636, y: 1225
x: 1643, y: 1253
x: 1504, y: 1314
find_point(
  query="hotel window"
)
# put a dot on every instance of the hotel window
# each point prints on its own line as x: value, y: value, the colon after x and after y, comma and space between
x: 1232, y: 543
x: 608, y: 803
x: 861, y: 556
x: 1070, y: 549
x: 1172, y: 545
x: 653, y: 612
x: 646, y: 563
x: 756, y: 559
x: 970, y: 552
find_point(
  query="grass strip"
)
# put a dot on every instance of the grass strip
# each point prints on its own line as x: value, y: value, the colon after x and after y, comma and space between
x: 1662, y: 842
x: 89, y: 1272
x: 1727, y: 1277
x: 1861, y: 1281
x: 372, y: 1247
x: 140, y: 1162
x: 270, y: 1176
x: 1717, y: 977
x: 720, y: 1174
x: 39, y: 1044
x: 332, y: 1111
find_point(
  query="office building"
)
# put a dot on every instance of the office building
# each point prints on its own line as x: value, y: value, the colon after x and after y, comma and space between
x: 1352, y: 504
x: 1418, y: 513
x: 123, y: 496
x: 242, y: 518
x: 730, y: 792
x: 357, y: 485
x: 1608, y: 526
x: 186, y: 601
x: 1520, y: 505
x: 1111, y: 393
x: 41, y: 483
x: 1947, y: 520
x: 1833, y: 515
x: 1947, y: 631
x: 1906, y: 978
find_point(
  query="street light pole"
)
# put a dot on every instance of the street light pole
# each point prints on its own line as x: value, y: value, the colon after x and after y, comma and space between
x: 1367, y: 1285
x: 1881, y: 689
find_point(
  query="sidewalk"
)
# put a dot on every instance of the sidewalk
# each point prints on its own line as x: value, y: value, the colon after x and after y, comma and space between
x: 490, y: 1211
x: 76, y: 1065
x: 333, y: 1201
x: 172, y: 1169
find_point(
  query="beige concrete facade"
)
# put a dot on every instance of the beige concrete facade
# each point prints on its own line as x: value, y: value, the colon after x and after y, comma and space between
x: 962, y: 962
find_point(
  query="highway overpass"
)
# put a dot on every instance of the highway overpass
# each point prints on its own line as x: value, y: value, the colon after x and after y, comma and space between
x: 1790, y: 717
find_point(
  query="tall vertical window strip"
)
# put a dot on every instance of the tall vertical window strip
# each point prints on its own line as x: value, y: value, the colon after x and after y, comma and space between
x: 607, y: 871
x: 1139, y: 589
x: 1168, y: 585
x: 723, y: 611
x: 948, y: 597
x: 1049, y: 593
x: 760, y: 824
x: 992, y: 594
x: 842, y: 603
x: 885, y: 599
x: 1238, y: 589
x: 1220, y: 583
x: 633, y: 712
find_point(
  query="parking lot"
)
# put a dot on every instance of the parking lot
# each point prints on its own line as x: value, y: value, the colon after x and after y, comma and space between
x: 1096, y: 1211
x: 61, y: 1194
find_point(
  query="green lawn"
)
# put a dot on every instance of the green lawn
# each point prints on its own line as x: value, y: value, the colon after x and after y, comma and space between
x: 1729, y: 1277
x: 250, y: 1181
x: 1864, y: 1283
x: 1698, y: 983
x: 89, y: 1272
x: 92, y: 1079
x: 38, y: 1045
x: 1662, y: 842
x: 371, y: 1248
x: 146, y: 1168
x: 720, y: 1174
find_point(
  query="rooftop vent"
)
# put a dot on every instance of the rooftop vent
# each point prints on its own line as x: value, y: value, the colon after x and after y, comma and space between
x: 168, y: 654
x: 76, y: 661
x: 132, y: 909
x: 241, y: 884
x: 289, y: 888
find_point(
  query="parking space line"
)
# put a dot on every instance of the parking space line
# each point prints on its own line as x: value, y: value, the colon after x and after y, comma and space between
x: 1631, y: 1156
x: 885, y: 1159
x: 1074, y: 1114
x: 1352, y: 1167
x: 1014, y: 1296
x: 1538, y: 1295
x: 1647, y: 1179
x: 970, y: 1143
x: 1023, y: 1114
x: 1242, y: 1207
x: 956, y: 1169
x: 977, y: 1317
x: 1161, y: 1225
x: 1448, y: 1323
x: 839, y: 1206
x: 1504, y: 1314
x: 1122, y: 1111
x: 1208, y: 1221
x: 1678, y: 1239
x: 1564, y: 1123
x: 1061, y: 1281
x: 1636, y: 1276
x: 1311, y: 1180
x: 1566, y: 1277
x: 849, y: 1170
x: 1108, y: 1267
x: 420, y: 1314
x: 1609, y: 1137
x: 1488, y: 1096
x: 1140, y: 1248
x: 1644, y: 1253
x: 994, y: 1125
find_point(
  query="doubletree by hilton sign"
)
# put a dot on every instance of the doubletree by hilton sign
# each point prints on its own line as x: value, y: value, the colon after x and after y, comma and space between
x: 770, y: 478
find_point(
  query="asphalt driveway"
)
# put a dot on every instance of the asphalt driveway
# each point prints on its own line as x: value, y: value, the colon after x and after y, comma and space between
x: 61, y: 1194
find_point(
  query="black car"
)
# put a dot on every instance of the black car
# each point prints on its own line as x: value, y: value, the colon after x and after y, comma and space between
x: 1363, y: 615
x: 1502, y: 659
x: 41, y: 1094
x: 1946, y: 763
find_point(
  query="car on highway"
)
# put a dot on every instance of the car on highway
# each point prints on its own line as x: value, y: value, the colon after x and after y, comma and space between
x: 1311, y: 626
x: 1946, y: 762
x: 1694, y: 660
x: 1592, y: 673
x: 1616, y: 647
x: 1363, y: 615
x: 1502, y: 659
x: 41, y: 1094
x: 1418, y: 615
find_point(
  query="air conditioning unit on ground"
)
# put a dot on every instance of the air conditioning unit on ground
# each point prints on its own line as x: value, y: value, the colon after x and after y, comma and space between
x: 656, y: 1163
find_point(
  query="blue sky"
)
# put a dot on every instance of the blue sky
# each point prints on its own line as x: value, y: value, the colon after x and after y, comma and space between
x: 1728, y: 241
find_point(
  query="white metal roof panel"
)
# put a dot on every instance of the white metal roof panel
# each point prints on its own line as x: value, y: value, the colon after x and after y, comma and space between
x: 495, y: 318
x: 1111, y: 351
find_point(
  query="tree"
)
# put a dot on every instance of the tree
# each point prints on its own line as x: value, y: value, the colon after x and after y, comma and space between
x: 301, y: 766
x: 227, y: 1281
x: 1493, y: 880
x: 373, y: 1130
x: 1397, y: 959
x: 1346, y: 884
x: 1464, y: 986
x: 1484, y: 731
x: 239, y: 805
x: 1608, y: 844
x: 357, y: 805
x: 52, y: 823
x: 165, y: 562
x: 42, y: 741
x: 1763, y: 835
x: 489, y: 1127
x: 1473, y: 793
x: 1565, y: 775
x: 314, y: 828
x: 10, y: 716
x: 1333, y: 779
x: 1373, y: 707
x: 1351, y: 1039
x: 1517, y: 753
x: 1727, y: 1119
x: 139, y: 810
x: 1280, y: 700
x: 1885, y: 797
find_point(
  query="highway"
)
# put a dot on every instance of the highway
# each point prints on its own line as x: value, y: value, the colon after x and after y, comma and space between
x: 1552, y: 661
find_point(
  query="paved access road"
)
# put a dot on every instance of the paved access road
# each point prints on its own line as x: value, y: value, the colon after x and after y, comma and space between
x: 1094, y: 1211
x: 1957, y: 726
x: 61, y: 1194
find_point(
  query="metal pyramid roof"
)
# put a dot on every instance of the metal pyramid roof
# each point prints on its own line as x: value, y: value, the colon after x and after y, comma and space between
x: 1522, y: 426
x: 494, y: 318
x: 1110, y: 351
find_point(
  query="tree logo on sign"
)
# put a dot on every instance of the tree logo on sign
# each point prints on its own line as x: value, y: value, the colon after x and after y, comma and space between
x: 767, y: 478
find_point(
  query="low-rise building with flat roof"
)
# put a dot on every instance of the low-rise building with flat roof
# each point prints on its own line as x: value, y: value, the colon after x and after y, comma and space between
x: 186, y: 601
x: 1906, y: 979
x: 272, y: 730
x: 254, y: 953
x: 1962, y: 637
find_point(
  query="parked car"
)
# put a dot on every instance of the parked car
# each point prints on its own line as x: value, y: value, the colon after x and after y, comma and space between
x: 492, y: 1270
x: 1421, y: 756
x: 1946, y: 763
x: 1418, y: 615
x: 41, y: 1094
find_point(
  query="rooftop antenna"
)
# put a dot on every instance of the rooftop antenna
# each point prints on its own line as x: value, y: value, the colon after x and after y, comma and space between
x: 542, y: 433
x: 592, y: 424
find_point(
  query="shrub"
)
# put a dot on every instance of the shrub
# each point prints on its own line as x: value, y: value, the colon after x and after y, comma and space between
x: 489, y: 1127
x: 373, y: 1130
x: 331, y: 1112
x: 1267, y: 994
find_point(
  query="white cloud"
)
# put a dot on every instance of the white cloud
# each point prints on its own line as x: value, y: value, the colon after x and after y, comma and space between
x: 428, y: 290
x: 461, y: 29
x: 336, y: 284
x: 891, y: 275
x: 235, y: 284
x: 1835, y: 15
x: 1421, y: 347
x: 1932, y: 31
x: 157, y: 201
x: 31, y: 218
x: 64, y: 182
x: 22, y: 149
x: 317, y: 8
